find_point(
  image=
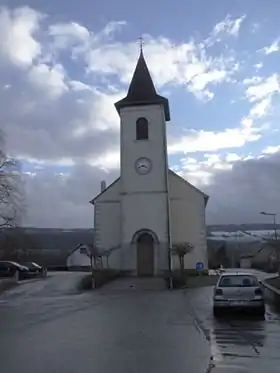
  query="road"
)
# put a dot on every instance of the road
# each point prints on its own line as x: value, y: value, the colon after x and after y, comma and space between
x: 47, y: 326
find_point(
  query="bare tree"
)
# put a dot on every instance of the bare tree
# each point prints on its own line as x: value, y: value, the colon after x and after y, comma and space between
x: 96, y: 256
x: 108, y: 252
x: 181, y: 250
x: 11, y: 189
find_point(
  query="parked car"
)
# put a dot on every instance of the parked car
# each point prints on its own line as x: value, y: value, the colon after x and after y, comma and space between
x: 238, y: 291
x: 36, y: 269
x: 10, y: 269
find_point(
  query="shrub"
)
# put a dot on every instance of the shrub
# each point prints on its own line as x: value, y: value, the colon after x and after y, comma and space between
x: 85, y: 282
x: 181, y: 280
x: 105, y: 275
x: 178, y: 281
x: 98, y: 278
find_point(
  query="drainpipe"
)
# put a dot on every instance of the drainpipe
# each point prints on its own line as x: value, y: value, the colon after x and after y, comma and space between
x: 168, y: 210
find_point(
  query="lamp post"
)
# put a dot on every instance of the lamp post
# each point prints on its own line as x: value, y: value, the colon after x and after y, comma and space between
x: 274, y: 220
x: 276, y: 249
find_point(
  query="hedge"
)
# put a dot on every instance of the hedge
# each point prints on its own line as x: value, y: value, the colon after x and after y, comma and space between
x: 98, y: 278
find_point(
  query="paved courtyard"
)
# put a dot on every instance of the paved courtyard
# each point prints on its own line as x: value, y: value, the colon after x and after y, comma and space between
x: 47, y: 326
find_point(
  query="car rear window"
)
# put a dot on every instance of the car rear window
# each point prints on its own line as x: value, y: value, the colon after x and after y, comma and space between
x: 238, y: 281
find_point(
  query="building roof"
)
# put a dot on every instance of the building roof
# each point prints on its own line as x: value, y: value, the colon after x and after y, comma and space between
x: 78, y: 247
x: 206, y: 197
x: 142, y: 90
x: 103, y: 191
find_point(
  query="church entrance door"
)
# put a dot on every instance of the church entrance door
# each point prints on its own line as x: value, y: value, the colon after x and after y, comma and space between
x: 145, y: 255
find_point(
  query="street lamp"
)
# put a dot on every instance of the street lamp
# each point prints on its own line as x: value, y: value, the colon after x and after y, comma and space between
x: 274, y: 220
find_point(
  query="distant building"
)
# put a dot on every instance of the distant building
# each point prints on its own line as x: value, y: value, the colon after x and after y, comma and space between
x: 79, y: 258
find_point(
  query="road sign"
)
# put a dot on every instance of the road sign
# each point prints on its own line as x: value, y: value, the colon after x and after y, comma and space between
x: 199, y: 266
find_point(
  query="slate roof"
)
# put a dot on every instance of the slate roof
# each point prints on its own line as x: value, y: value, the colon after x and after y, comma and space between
x: 142, y: 90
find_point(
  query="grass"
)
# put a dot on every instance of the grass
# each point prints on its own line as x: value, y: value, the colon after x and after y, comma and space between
x: 200, y: 281
x: 191, y: 279
x: 275, y: 282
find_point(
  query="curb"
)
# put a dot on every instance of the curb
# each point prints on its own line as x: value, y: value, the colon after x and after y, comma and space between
x: 272, y: 294
x: 8, y: 283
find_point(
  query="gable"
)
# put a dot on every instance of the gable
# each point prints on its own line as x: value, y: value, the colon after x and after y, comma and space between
x: 178, y: 187
x: 112, y: 192
x: 80, y: 249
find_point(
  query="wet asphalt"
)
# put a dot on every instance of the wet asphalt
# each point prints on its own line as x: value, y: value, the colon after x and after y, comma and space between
x: 48, y: 326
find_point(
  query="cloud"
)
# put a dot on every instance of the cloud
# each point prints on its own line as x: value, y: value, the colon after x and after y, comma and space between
x: 272, y: 48
x: 17, y: 28
x: 66, y: 35
x: 228, y: 27
x: 58, y: 85
x: 187, y: 64
x: 263, y: 88
x: 271, y: 149
x: 199, y: 141
x: 239, y: 194
x: 239, y: 186
x: 58, y: 119
x: 48, y: 79
x: 62, y: 199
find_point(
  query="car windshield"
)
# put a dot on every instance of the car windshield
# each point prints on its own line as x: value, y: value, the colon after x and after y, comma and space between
x: 15, y: 264
x: 238, y: 281
x: 31, y: 264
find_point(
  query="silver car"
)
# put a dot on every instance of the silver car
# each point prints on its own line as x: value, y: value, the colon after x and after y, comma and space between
x: 238, y: 291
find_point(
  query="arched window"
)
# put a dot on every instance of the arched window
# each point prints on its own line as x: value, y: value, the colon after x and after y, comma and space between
x: 142, y: 129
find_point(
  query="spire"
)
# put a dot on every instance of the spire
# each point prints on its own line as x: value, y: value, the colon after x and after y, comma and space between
x: 142, y: 90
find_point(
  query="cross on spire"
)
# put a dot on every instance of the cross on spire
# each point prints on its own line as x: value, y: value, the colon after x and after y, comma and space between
x: 141, y: 42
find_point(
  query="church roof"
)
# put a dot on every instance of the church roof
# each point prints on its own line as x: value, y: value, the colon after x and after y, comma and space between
x: 103, y: 191
x: 142, y: 90
x: 206, y: 197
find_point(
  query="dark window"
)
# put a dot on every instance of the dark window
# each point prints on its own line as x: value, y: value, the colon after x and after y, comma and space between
x: 228, y: 281
x: 142, y: 129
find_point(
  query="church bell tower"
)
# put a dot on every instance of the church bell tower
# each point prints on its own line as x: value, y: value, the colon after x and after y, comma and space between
x: 144, y: 172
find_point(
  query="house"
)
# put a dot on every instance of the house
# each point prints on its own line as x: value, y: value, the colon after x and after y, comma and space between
x: 149, y: 207
x: 79, y: 258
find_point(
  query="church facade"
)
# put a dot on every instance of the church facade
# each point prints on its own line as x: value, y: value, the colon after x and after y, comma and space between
x: 149, y: 208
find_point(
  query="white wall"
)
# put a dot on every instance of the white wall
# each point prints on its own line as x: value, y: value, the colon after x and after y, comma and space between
x: 107, y: 222
x: 154, y: 148
x: 140, y: 212
x: 76, y: 259
x: 187, y: 207
x: 245, y: 263
x: 144, y: 211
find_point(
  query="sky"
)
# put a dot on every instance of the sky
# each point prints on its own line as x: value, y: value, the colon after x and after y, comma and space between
x: 64, y: 64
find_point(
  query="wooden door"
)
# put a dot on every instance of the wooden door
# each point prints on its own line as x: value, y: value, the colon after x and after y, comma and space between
x: 145, y: 255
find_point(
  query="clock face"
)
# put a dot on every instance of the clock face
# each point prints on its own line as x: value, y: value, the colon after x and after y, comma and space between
x: 143, y: 166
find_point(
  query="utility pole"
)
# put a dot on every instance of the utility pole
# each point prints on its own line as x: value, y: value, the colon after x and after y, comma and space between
x: 276, y: 249
x: 274, y: 221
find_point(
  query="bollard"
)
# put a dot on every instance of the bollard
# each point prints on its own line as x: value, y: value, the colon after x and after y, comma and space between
x: 17, y: 276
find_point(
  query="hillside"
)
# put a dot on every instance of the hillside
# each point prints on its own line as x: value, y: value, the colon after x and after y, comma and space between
x: 63, y: 240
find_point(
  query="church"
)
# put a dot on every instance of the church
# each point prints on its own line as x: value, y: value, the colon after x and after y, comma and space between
x: 149, y: 208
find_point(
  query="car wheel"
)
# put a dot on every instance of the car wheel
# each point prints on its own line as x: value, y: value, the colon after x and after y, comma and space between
x: 216, y: 312
x: 261, y: 311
